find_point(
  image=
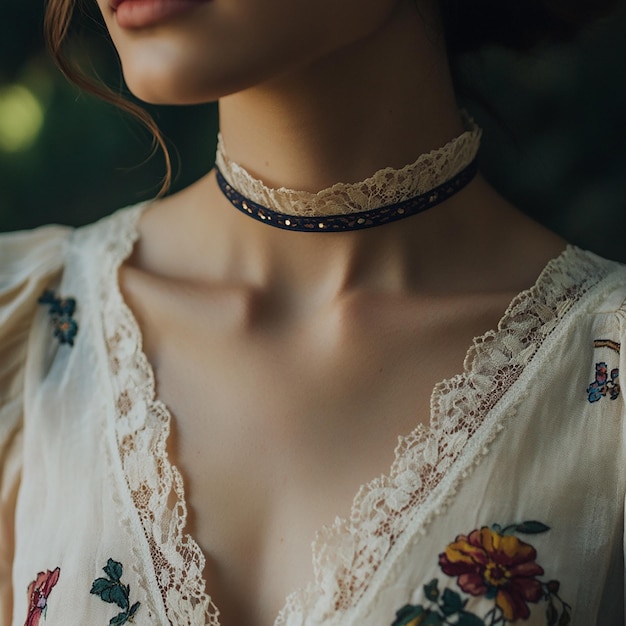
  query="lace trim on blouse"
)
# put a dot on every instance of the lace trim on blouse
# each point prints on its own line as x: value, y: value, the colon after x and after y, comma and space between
x: 142, y: 429
x: 347, y: 554
x: 386, y: 187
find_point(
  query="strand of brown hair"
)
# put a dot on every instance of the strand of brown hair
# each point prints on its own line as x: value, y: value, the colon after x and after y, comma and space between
x: 57, y: 22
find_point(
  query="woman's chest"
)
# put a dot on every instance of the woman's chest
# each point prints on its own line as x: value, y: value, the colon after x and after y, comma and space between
x: 273, y: 438
x: 275, y: 431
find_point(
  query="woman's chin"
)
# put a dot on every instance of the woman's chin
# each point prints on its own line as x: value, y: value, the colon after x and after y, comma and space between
x: 168, y: 88
x: 156, y: 85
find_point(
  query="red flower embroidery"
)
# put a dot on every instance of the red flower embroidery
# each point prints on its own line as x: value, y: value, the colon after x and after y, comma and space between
x: 38, y: 592
x: 498, y: 566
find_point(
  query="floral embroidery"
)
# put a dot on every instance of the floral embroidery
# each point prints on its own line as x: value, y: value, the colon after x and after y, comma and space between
x: 604, y: 384
x: 112, y: 590
x: 38, y: 592
x: 493, y: 563
x: 61, y: 312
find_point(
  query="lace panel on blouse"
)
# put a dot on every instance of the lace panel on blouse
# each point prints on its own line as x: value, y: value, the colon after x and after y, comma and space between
x: 347, y: 554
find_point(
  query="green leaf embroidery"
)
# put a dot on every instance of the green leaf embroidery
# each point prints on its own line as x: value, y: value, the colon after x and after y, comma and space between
x: 120, y: 618
x: 433, y: 619
x: 133, y: 609
x: 431, y: 591
x: 99, y: 585
x: 552, y: 615
x: 113, y: 591
x: 113, y: 570
x: 417, y: 615
x: 452, y: 602
x: 115, y: 594
x: 469, y: 619
x: 407, y: 614
x: 531, y: 528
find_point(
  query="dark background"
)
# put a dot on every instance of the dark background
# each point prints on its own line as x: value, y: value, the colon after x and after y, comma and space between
x: 554, y: 141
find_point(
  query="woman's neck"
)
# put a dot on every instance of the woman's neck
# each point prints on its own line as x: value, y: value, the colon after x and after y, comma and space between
x: 379, y: 102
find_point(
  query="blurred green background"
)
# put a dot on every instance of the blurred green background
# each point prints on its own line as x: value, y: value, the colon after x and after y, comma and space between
x: 554, y: 142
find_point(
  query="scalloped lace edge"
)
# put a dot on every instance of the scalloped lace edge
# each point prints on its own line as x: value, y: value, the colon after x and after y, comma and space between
x: 385, y: 187
x: 142, y: 429
x: 348, y: 553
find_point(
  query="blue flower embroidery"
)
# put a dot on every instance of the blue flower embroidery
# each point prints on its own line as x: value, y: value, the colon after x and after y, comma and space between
x: 61, y: 312
x: 605, y: 384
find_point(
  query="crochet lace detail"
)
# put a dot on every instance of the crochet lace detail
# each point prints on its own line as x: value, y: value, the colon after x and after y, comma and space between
x: 142, y: 429
x: 347, y: 554
x: 386, y: 187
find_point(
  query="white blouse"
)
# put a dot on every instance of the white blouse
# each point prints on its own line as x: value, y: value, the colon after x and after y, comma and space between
x: 509, y: 508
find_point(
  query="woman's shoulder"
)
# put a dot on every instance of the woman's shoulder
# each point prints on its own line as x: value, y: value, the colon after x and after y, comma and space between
x: 591, y: 294
x: 40, y: 252
x: 593, y: 342
x: 27, y: 251
x: 584, y: 278
x: 28, y: 261
x: 32, y: 262
x: 609, y: 279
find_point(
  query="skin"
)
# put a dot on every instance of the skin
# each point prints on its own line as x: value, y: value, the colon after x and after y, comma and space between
x: 291, y: 362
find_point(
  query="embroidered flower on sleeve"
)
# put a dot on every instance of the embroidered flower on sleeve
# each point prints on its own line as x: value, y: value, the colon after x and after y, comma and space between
x: 492, y: 563
x: 61, y: 311
x: 112, y: 590
x: 606, y: 383
x: 38, y: 592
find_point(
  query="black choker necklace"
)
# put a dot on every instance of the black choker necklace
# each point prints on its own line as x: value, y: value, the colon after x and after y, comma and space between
x: 387, y: 196
x: 349, y: 221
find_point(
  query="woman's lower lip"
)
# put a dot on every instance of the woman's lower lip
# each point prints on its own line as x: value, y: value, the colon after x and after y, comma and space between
x: 143, y: 13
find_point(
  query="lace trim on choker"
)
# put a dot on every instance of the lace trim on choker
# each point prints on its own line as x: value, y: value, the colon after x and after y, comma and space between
x: 349, y: 553
x: 386, y: 187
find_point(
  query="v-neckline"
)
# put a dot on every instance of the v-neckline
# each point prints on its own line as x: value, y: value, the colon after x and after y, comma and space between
x: 459, y: 406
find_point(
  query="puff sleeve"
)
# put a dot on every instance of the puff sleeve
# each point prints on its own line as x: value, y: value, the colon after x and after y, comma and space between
x: 29, y: 262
